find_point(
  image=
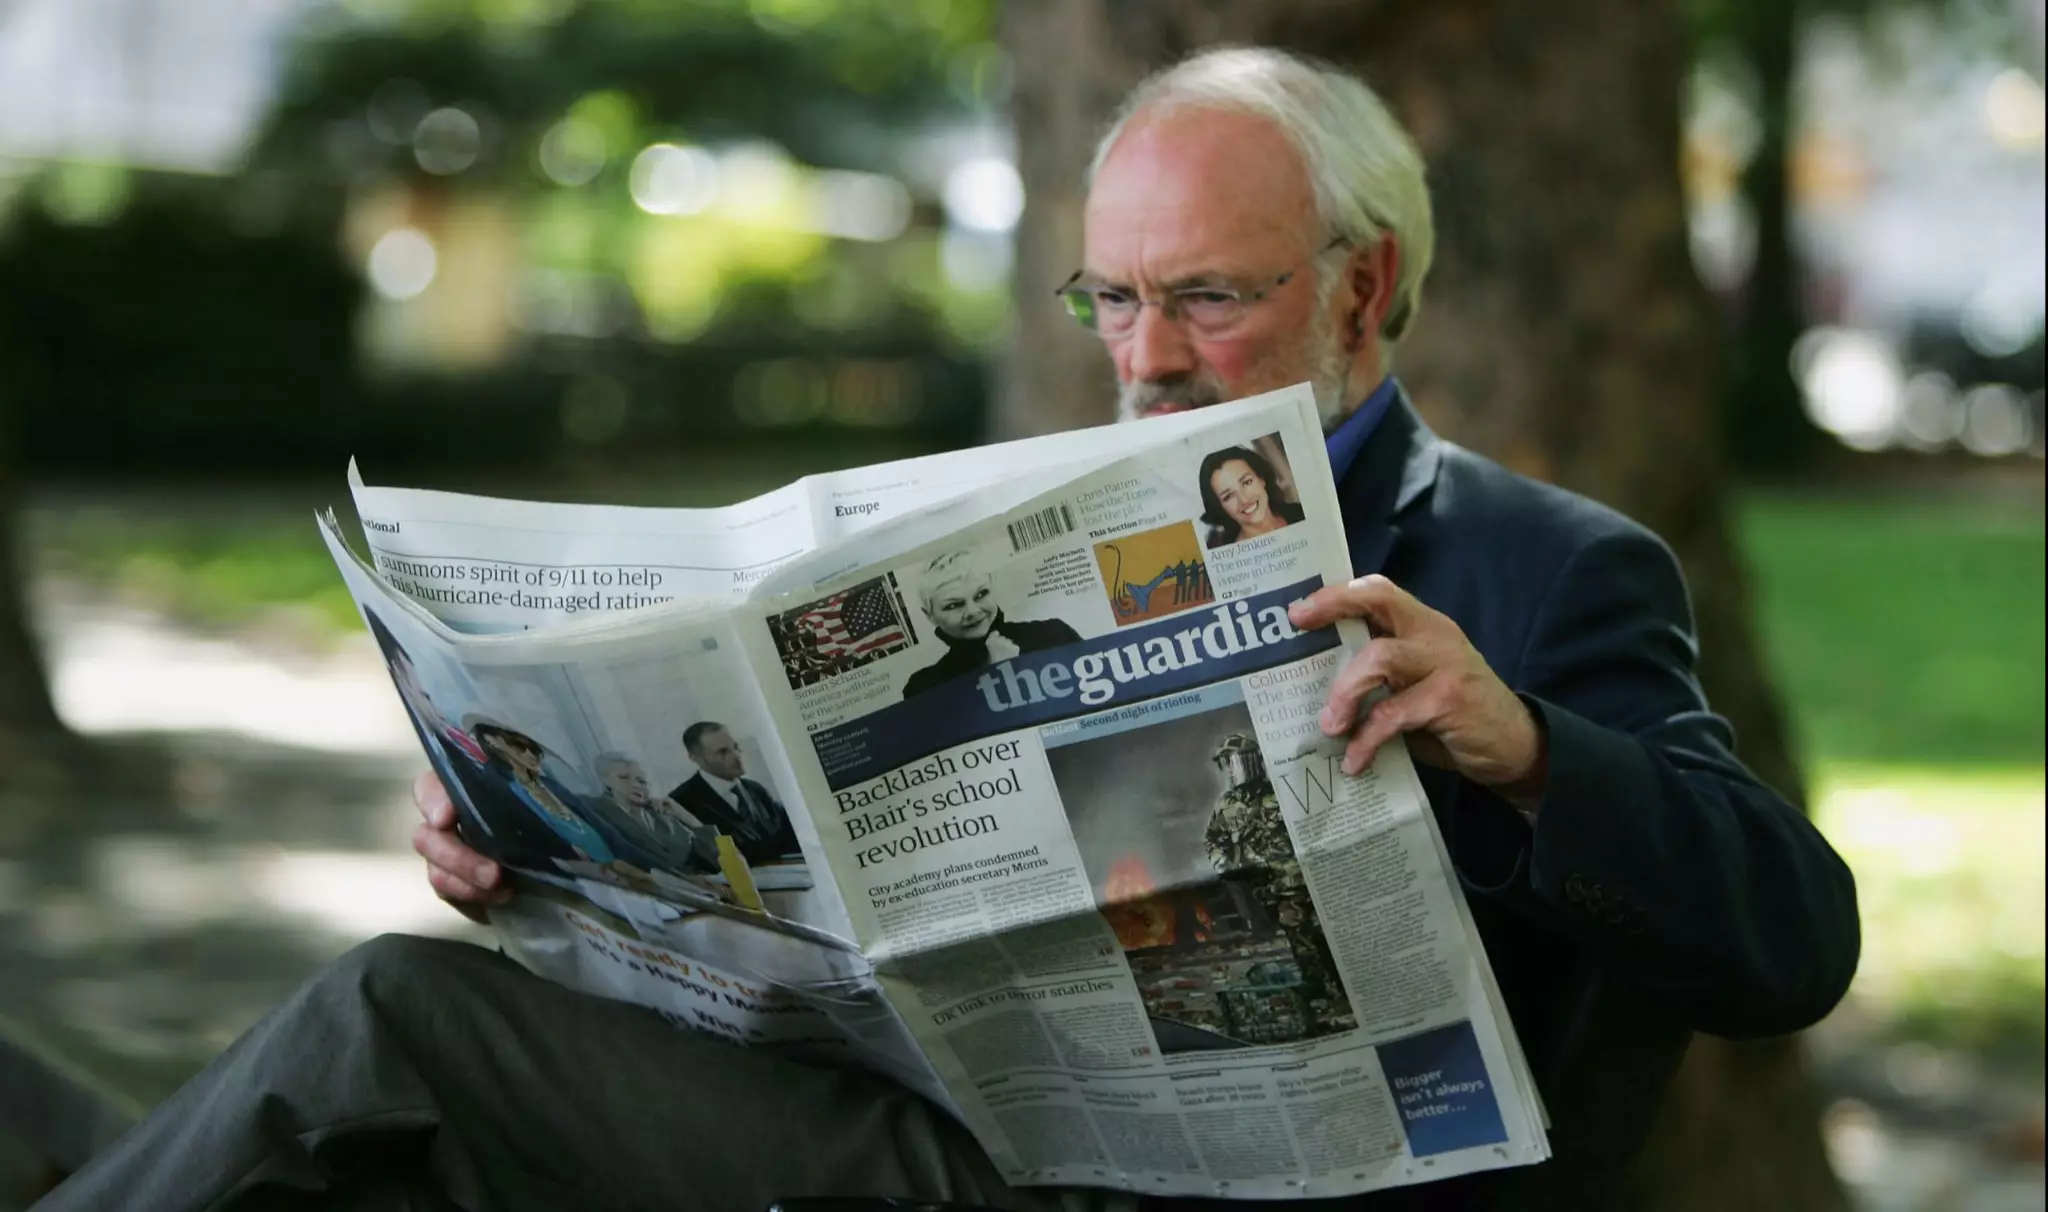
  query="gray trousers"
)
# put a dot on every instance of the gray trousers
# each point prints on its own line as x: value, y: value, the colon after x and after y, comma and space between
x: 421, y: 1074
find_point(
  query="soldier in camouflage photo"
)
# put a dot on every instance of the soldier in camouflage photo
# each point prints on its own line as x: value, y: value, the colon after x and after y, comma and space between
x: 1180, y: 832
x: 1248, y: 842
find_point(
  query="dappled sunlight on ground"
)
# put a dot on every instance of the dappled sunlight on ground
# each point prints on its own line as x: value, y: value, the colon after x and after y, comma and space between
x: 267, y: 832
x: 1933, y: 1066
x: 142, y: 939
x: 168, y: 884
x: 1952, y: 870
x: 116, y: 670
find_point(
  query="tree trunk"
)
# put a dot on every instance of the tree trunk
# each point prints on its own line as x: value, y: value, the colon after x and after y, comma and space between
x: 1563, y: 332
x: 1768, y: 430
x: 35, y: 747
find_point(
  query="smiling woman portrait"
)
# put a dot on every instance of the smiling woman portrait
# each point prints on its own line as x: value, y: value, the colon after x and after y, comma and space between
x: 1243, y: 497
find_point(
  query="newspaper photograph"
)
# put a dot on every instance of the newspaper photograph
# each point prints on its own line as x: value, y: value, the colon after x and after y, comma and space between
x: 1011, y: 788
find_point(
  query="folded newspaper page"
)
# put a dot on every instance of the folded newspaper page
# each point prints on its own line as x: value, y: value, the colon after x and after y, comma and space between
x: 998, y: 773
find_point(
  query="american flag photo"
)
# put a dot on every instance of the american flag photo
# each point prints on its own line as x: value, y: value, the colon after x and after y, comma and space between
x: 845, y: 631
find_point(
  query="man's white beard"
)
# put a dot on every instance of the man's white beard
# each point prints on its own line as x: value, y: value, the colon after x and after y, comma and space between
x: 1328, y: 374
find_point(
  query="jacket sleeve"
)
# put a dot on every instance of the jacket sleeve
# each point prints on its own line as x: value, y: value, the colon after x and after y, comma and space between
x: 1652, y: 845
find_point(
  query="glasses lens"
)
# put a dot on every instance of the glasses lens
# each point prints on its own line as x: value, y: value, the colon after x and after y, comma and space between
x: 1080, y: 305
x: 1210, y: 311
x: 1115, y: 311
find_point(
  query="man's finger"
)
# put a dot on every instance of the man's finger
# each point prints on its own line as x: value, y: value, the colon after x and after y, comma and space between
x: 443, y: 849
x: 1385, y: 606
x: 462, y: 898
x: 1407, y: 711
x: 452, y: 887
x: 1382, y: 662
x: 460, y: 892
x: 431, y: 798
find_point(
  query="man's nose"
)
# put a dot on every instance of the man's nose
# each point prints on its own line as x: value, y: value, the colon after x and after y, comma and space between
x: 1158, y: 350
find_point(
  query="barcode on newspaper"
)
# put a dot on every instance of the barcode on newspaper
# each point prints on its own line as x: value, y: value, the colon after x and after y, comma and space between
x: 1033, y: 529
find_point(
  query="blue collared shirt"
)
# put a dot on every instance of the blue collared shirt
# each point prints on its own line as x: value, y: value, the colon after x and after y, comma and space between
x: 1351, y: 436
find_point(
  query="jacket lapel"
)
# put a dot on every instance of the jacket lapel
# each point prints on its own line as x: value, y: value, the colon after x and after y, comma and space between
x: 1395, y: 469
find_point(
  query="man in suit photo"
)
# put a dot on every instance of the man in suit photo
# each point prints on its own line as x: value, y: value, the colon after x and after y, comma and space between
x: 721, y: 795
x: 1253, y: 220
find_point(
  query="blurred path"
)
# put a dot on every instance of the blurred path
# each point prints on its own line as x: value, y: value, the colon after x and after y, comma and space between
x: 140, y: 936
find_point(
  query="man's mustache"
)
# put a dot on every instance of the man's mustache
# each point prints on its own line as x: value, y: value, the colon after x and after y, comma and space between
x: 1139, y: 398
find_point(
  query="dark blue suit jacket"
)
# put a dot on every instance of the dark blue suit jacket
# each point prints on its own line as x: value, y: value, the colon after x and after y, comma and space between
x: 1662, y: 890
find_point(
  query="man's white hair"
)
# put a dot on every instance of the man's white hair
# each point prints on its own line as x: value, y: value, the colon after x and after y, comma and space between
x: 1366, y: 171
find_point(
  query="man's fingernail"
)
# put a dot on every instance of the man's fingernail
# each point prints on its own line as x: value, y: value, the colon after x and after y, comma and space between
x: 1330, y: 722
x: 486, y: 874
x: 1352, y: 765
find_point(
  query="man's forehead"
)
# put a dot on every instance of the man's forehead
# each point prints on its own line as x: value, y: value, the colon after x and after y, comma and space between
x: 1195, y: 192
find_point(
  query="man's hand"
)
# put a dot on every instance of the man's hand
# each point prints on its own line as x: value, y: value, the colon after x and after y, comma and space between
x: 462, y: 877
x: 1457, y: 713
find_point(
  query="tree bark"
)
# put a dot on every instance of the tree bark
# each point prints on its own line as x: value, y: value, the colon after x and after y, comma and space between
x: 1768, y: 429
x: 36, y: 750
x: 1563, y: 332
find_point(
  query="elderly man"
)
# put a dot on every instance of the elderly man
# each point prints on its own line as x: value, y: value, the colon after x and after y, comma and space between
x: 1252, y: 222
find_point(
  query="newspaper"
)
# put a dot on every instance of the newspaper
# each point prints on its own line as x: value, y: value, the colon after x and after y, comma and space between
x: 996, y: 772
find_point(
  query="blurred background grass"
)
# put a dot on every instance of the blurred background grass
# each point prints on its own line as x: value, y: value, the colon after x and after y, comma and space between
x: 1896, y: 626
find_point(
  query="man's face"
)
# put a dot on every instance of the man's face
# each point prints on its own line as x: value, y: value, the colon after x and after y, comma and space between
x: 627, y: 784
x: 718, y: 755
x: 964, y: 608
x: 1198, y: 198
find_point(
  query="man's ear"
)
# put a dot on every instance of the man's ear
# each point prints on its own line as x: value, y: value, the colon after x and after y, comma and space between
x: 1371, y: 276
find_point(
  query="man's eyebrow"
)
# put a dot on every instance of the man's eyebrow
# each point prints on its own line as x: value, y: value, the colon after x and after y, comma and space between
x: 1211, y: 278
x: 1208, y: 278
x: 1094, y: 281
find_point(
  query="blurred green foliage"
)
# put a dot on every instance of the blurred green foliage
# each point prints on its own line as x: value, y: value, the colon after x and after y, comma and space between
x: 817, y: 76
x: 565, y: 96
x: 208, y: 572
x: 543, y: 300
